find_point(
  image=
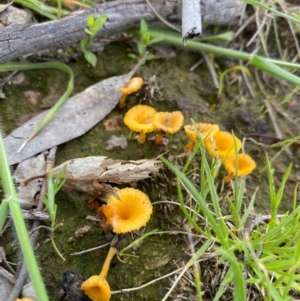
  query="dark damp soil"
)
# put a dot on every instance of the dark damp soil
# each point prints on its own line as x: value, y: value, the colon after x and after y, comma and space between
x: 193, y: 94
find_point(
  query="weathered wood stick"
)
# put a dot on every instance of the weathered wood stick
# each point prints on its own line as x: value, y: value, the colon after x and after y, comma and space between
x: 17, y: 41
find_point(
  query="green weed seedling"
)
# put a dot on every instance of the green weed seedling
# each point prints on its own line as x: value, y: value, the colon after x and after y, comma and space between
x: 94, y: 26
x: 53, y: 186
x: 145, y: 41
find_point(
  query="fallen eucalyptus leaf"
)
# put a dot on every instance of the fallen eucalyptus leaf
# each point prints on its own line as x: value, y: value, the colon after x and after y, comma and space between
x: 78, y: 115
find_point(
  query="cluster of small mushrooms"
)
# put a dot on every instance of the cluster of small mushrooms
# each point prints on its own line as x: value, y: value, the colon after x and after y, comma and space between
x: 145, y: 119
x: 222, y: 145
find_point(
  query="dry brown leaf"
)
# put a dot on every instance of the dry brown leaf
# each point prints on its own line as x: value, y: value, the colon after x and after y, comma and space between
x: 32, y: 97
x: 111, y: 122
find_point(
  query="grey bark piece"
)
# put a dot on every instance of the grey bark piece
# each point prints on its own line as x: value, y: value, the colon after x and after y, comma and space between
x: 29, y: 168
x: 28, y: 291
x: 17, y: 41
x: 7, y: 281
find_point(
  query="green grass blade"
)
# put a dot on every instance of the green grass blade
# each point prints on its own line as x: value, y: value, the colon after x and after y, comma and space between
x: 271, y: 9
x: 4, y: 209
x: 185, y: 212
x: 273, y: 69
x: 239, y: 283
x: 175, y: 39
x: 22, y: 233
x: 282, y: 185
x: 248, y: 210
x: 217, y: 227
x: 41, y: 8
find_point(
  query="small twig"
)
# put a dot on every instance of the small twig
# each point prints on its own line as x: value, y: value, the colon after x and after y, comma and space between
x: 5, y: 81
x: 90, y: 250
x: 148, y: 283
x: 211, y: 70
x: 191, y: 19
x: 196, y: 270
x: 155, y: 12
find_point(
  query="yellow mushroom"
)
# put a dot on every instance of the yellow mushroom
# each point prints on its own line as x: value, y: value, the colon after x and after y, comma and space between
x: 96, y: 287
x: 129, y: 211
x: 221, y: 144
x: 140, y: 119
x: 167, y: 122
x: 204, y: 129
x: 24, y: 299
x: 133, y: 85
x: 245, y: 166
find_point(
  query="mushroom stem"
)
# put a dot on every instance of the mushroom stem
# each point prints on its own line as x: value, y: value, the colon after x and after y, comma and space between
x: 159, y: 137
x: 228, y: 177
x: 111, y: 253
x: 122, y: 101
x: 189, y: 147
x: 142, y: 138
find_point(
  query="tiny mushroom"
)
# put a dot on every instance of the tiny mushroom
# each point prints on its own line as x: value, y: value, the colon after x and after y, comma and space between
x: 24, y: 299
x: 140, y: 119
x: 167, y: 122
x: 129, y: 211
x: 204, y: 129
x: 222, y: 144
x: 133, y: 85
x: 96, y: 287
x: 245, y: 166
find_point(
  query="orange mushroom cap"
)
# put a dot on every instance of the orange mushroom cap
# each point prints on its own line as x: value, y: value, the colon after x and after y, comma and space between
x: 24, y: 299
x: 130, y: 212
x: 133, y: 85
x: 140, y: 119
x: 204, y: 129
x: 221, y: 144
x: 169, y: 122
x: 245, y: 166
x: 97, y: 288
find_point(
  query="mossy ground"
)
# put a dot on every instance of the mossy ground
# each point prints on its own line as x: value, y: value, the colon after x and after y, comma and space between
x: 192, y: 93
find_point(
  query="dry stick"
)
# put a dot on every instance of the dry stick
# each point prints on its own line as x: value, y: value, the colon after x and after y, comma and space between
x: 168, y: 24
x: 211, y: 69
x: 23, y: 274
x: 196, y: 265
x: 191, y: 19
x: 146, y: 284
x: 17, y: 41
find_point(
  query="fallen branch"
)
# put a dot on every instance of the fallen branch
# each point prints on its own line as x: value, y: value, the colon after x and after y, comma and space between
x: 18, y: 41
